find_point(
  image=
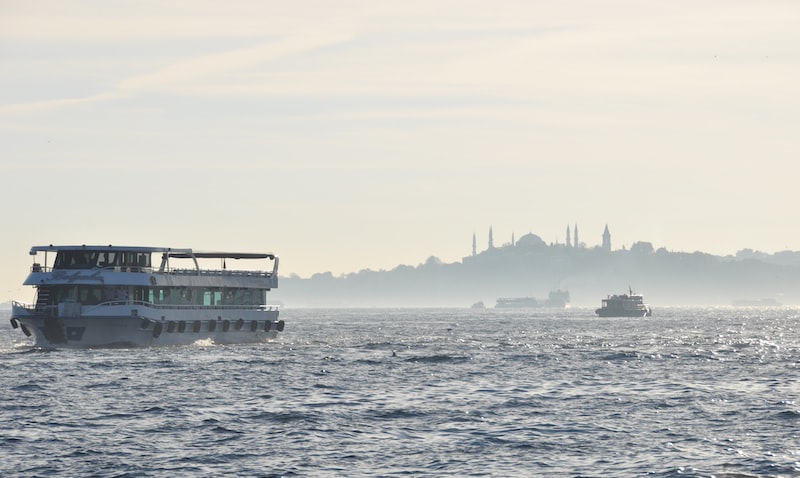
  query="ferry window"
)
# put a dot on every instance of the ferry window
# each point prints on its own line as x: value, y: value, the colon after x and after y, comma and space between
x: 79, y: 260
x: 108, y: 259
x: 207, y: 298
x: 139, y: 293
x: 259, y: 297
x: 133, y: 259
x: 90, y: 295
x: 160, y: 296
x: 144, y: 259
x: 218, y: 297
x: 60, y: 261
x: 187, y: 295
x: 74, y: 260
x: 63, y: 294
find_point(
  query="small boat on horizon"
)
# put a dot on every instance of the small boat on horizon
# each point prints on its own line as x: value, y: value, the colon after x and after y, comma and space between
x: 624, y: 305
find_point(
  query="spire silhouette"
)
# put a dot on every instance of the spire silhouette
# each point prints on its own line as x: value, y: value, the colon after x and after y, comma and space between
x: 606, y: 240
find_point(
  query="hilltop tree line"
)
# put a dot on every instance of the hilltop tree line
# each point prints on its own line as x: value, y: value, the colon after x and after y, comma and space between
x: 534, y: 269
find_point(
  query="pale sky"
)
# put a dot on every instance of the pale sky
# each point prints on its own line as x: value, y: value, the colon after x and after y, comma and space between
x: 349, y: 135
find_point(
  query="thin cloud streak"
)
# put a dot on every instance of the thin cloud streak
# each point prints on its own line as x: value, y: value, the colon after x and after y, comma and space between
x: 193, y: 70
x: 38, y: 106
x: 179, y: 76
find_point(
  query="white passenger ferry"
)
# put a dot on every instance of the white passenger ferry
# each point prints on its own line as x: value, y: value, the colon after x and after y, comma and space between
x: 115, y: 296
x: 624, y: 305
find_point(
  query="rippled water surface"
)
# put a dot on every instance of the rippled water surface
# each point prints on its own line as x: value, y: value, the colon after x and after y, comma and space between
x: 433, y: 392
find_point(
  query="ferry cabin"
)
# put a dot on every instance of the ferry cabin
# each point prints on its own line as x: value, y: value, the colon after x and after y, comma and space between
x: 96, y: 289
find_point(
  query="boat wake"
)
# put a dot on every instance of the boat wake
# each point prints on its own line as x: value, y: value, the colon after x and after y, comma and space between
x: 203, y: 343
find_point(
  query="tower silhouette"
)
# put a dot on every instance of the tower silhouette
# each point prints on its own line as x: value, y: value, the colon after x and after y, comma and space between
x: 606, y: 240
x: 474, y: 245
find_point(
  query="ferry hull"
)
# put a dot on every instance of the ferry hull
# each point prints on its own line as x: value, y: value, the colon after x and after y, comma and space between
x: 623, y: 313
x: 140, y: 331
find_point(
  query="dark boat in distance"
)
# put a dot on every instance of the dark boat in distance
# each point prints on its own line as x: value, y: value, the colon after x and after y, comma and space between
x: 556, y: 299
x: 624, y: 305
x: 516, y: 302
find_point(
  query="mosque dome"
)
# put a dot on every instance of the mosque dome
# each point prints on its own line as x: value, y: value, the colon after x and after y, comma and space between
x: 530, y: 240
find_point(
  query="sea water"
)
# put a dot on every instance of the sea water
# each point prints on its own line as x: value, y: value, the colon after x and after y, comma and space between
x: 420, y: 392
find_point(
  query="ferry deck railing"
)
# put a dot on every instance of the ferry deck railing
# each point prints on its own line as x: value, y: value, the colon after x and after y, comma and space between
x: 52, y: 310
x: 175, y: 271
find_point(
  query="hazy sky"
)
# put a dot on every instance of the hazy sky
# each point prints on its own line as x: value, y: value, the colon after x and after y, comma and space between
x: 346, y: 135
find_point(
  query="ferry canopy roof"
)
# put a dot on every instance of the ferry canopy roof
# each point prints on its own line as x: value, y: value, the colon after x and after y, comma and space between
x: 222, y: 255
x: 172, y: 252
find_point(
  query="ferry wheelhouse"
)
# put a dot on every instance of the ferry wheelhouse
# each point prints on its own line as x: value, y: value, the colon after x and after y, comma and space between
x: 116, y: 296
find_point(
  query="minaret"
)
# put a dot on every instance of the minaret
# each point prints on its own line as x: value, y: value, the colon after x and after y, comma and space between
x: 474, y: 245
x: 577, y: 244
x: 569, y: 244
x: 513, y: 241
x: 606, y: 240
x: 491, y: 238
